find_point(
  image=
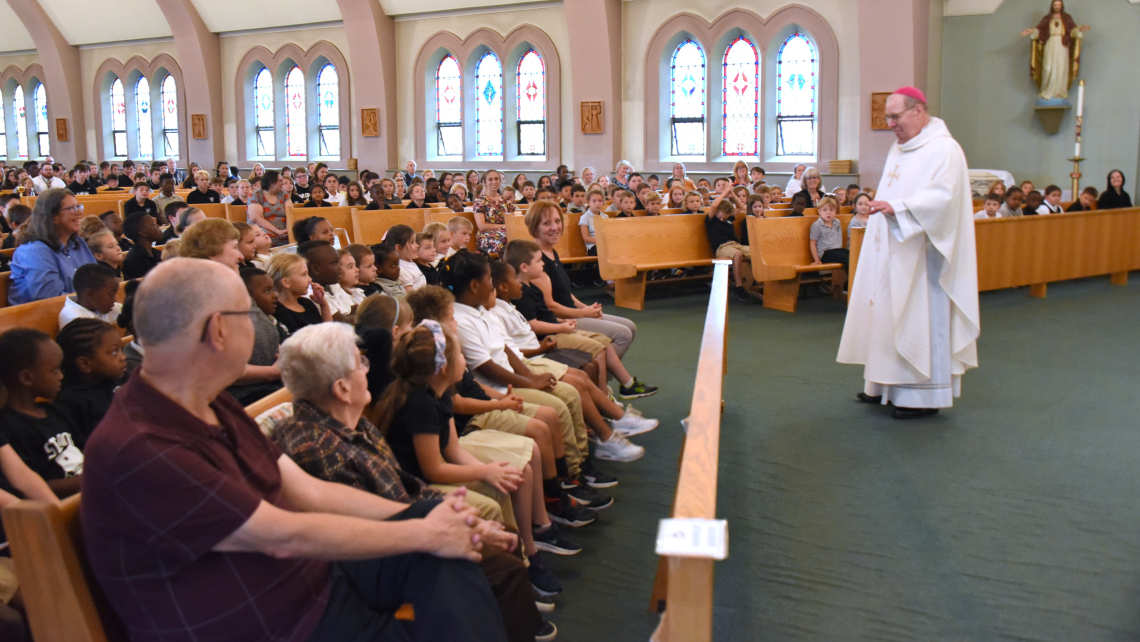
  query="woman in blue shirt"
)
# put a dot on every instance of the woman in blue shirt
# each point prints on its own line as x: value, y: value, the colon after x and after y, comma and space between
x: 50, y: 250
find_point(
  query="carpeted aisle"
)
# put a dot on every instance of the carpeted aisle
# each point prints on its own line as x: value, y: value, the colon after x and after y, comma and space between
x: 1015, y: 515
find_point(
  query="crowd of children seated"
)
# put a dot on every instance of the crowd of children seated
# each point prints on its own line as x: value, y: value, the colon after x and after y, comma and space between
x: 478, y: 376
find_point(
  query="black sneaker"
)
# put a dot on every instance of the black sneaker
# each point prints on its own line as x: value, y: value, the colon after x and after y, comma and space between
x: 596, y: 478
x: 542, y: 580
x: 580, y: 491
x: 741, y: 293
x: 552, y: 540
x: 546, y: 633
x: 544, y: 603
x: 636, y: 390
x: 569, y: 512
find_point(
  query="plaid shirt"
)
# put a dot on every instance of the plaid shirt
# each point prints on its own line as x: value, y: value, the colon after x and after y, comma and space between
x: 327, y: 449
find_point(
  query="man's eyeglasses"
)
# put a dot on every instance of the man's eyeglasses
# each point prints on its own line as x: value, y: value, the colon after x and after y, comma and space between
x: 206, y: 326
x: 895, y: 117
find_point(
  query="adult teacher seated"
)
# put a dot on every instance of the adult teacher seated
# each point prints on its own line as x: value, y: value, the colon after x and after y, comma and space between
x: 197, y: 527
x: 266, y: 208
x: 545, y: 224
x: 50, y: 249
x: 812, y: 186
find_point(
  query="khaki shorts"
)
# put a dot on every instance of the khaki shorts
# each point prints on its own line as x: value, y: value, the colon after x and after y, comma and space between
x: 505, y: 420
x: 488, y: 507
x: 538, y: 365
x: 590, y: 342
x: 729, y: 250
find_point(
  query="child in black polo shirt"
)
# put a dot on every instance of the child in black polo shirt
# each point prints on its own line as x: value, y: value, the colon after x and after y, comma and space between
x: 39, y: 433
x: 143, y: 230
x: 141, y: 202
x: 93, y: 365
x: 723, y: 241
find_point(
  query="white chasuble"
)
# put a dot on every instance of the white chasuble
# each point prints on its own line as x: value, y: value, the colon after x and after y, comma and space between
x: 913, y: 320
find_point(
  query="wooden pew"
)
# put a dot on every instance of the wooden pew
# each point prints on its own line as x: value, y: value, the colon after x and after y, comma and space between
x: 781, y: 255
x: 1037, y: 250
x: 62, y: 598
x: 5, y: 285
x: 236, y: 213
x: 340, y: 217
x: 683, y: 589
x: 630, y: 248
x: 369, y: 227
x: 213, y: 210
x: 40, y: 315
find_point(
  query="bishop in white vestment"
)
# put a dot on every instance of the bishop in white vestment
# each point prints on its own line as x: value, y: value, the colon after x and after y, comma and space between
x: 913, y: 320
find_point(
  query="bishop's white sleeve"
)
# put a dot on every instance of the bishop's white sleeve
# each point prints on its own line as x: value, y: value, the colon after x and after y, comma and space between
x: 903, y: 225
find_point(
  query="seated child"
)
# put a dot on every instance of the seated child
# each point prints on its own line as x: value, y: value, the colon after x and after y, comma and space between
x: 262, y: 375
x: 990, y: 206
x: 460, y: 229
x: 840, y: 196
x: 240, y: 191
x: 18, y: 215
x: 247, y: 244
x: 418, y: 195
x: 376, y: 200
x: 595, y: 202
x: 290, y: 274
x: 724, y: 243
x: 564, y: 193
x: 142, y: 229
x: 652, y: 204
x: 388, y: 270
x: 114, y: 222
x: 799, y: 204
x: 426, y: 257
x: 325, y: 269
x: 106, y: 251
x: 544, y: 193
x: 40, y: 434
x: 1052, y: 204
x: 172, y: 249
x: 693, y: 203
x: 577, y: 202
x: 96, y: 288
x: 314, y: 228
x: 826, y: 235
x: 93, y: 366
x: 455, y: 203
x: 640, y: 195
x: 1033, y: 200
x: 403, y: 240
x: 654, y: 182
x: 440, y: 238
x: 317, y: 197
x: 1086, y: 201
x: 704, y: 191
x: 345, y: 293
x: 626, y: 202
x: 528, y: 191
x: 141, y: 202
x: 366, y: 270
x: 862, y: 214
x: 417, y: 422
x: 852, y: 192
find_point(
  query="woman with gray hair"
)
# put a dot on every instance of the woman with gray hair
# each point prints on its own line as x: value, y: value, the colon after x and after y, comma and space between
x: 50, y: 249
x: 812, y: 187
x: 622, y: 172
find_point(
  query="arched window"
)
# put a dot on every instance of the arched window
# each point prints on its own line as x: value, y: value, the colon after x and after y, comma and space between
x: 449, y: 107
x: 687, y: 112
x: 328, y: 110
x: 740, y: 131
x: 531, y: 121
x: 489, y: 106
x: 263, y: 113
x: 119, y: 119
x: 169, y: 95
x: 295, y: 130
x: 795, y: 97
x: 40, y: 97
x: 18, y: 108
x: 142, y: 118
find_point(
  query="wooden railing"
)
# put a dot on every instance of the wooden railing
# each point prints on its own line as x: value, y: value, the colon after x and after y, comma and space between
x: 1037, y: 250
x: 683, y: 590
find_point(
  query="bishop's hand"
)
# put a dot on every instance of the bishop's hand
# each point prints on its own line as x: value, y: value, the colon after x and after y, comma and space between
x: 882, y: 206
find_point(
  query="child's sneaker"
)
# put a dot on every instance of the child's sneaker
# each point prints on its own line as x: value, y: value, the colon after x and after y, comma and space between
x: 552, y: 540
x: 632, y: 423
x: 543, y: 581
x: 636, y: 389
x: 618, y: 448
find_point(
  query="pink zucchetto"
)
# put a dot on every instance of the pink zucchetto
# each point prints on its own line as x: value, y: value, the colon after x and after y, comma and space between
x: 912, y: 92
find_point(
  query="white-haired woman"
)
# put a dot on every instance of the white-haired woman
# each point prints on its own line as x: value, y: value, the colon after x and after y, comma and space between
x: 812, y: 186
x: 622, y: 172
x: 687, y: 183
x: 588, y: 175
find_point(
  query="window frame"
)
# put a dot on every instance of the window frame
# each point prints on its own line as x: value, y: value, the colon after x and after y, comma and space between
x: 117, y: 133
x: 168, y: 131
x: 442, y: 125
x: 323, y: 131
x: 813, y: 117
x: 43, y: 136
x: 519, y: 121
x: 140, y: 128
x: 756, y: 76
x: 674, y: 120
x: 20, y: 116
x: 482, y: 106
x: 259, y: 130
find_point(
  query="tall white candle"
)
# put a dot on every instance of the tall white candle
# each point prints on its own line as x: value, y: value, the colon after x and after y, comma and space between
x: 1081, y: 99
x: 1077, y: 154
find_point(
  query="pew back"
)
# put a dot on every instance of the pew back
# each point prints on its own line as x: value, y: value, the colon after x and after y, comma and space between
x: 340, y: 217
x: 212, y: 210
x: 369, y: 227
x: 443, y: 217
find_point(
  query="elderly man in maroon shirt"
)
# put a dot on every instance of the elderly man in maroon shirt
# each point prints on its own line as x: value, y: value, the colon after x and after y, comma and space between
x: 199, y: 528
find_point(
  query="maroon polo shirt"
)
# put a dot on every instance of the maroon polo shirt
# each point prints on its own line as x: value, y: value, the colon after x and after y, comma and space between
x: 161, y: 488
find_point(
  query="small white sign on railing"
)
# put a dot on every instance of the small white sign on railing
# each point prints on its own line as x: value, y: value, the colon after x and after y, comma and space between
x: 707, y: 538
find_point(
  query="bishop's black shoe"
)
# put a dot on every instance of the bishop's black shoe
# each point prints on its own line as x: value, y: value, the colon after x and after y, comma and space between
x: 913, y: 413
x: 866, y: 398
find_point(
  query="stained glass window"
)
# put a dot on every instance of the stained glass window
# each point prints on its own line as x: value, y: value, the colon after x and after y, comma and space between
x: 18, y: 108
x: 295, y: 130
x: 118, y: 119
x: 328, y: 110
x: 795, y: 97
x: 531, y: 121
x: 740, y: 131
x: 687, y: 106
x: 3, y: 129
x: 40, y: 97
x: 142, y: 116
x: 169, y: 95
x: 449, y: 107
x: 263, y: 114
x: 489, y: 106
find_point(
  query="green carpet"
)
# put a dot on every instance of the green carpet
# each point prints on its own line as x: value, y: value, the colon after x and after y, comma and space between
x: 1012, y: 516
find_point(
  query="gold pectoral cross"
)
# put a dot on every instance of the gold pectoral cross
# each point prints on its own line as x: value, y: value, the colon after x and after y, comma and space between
x: 893, y: 175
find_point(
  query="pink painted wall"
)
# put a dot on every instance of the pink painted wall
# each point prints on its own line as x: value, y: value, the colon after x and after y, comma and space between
x: 372, y: 45
x: 596, y: 55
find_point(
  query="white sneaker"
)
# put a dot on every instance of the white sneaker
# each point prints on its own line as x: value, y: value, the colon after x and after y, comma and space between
x: 618, y: 448
x: 632, y: 423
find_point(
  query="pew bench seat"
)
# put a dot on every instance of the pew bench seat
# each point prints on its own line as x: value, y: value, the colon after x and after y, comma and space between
x: 630, y: 248
x: 781, y: 256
